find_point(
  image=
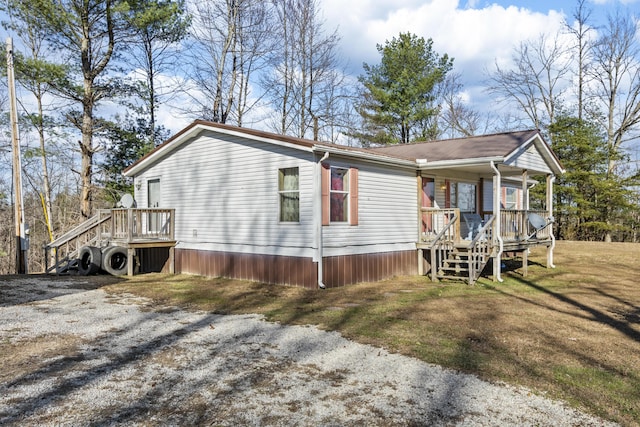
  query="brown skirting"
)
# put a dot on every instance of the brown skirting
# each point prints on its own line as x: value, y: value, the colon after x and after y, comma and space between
x: 296, y: 271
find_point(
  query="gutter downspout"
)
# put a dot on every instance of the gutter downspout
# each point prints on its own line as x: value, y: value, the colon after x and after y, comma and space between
x: 318, y: 217
x: 497, y: 260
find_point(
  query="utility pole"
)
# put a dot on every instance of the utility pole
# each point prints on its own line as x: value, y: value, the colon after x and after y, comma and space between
x: 21, y: 241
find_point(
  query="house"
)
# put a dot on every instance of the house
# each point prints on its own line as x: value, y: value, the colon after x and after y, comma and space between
x: 254, y: 205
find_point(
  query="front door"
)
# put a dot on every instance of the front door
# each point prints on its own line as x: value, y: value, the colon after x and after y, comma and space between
x: 428, y: 201
x: 153, y: 201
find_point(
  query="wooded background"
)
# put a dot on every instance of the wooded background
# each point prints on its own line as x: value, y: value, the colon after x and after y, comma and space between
x: 94, y: 76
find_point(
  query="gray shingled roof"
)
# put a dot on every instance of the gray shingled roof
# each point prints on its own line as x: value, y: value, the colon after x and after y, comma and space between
x: 497, y: 145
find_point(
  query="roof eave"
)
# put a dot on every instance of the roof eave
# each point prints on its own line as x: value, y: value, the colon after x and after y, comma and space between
x: 478, y: 161
x: 192, y: 131
x: 368, y: 156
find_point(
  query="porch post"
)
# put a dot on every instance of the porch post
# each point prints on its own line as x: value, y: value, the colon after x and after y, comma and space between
x: 550, y: 179
x: 525, y: 207
x: 525, y: 190
x: 420, y: 251
x: 497, y: 258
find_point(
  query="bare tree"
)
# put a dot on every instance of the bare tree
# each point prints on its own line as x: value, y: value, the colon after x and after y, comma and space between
x: 229, y: 44
x: 457, y: 118
x: 616, y: 74
x: 537, y: 81
x: 157, y: 32
x: 305, y: 79
x: 581, y: 30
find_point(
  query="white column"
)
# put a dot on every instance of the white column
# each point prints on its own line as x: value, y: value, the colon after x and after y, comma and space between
x: 550, y: 180
x: 497, y: 259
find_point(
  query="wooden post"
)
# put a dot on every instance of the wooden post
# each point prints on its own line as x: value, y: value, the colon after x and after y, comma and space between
x: 434, y: 277
x: 420, y: 251
x: 172, y: 260
x: 20, y: 237
x: 131, y: 253
x: 129, y: 225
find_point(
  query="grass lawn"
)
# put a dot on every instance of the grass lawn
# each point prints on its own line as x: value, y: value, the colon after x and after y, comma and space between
x: 571, y: 333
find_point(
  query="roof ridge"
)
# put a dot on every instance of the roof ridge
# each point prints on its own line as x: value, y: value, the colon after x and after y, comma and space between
x: 459, y: 138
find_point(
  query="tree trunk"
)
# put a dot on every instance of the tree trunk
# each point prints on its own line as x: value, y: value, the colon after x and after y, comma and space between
x: 86, y: 149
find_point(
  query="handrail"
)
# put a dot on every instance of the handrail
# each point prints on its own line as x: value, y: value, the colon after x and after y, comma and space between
x: 444, y: 230
x: 478, y: 254
x: 102, y: 216
x: 482, y: 231
x: 437, y: 262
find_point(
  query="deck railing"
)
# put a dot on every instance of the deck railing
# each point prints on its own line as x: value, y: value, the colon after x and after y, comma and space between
x: 516, y: 227
x: 443, y: 242
x: 480, y: 249
x: 433, y: 221
x: 133, y: 225
x: 114, y: 225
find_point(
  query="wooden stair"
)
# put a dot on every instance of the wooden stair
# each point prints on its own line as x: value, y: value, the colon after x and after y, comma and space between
x: 462, y: 263
x: 64, y: 250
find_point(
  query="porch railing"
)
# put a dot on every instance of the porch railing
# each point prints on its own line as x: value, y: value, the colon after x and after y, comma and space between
x: 434, y: 221
x: 447, y: 221
x: 516, y: 227
x: 514, y: 224
x: 480, y: 249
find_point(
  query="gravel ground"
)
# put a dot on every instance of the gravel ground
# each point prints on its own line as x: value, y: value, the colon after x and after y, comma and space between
x: 73, y: 355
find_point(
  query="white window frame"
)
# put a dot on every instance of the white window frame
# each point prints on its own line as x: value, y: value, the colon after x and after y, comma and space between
x: 346, y: 193
x: 455, y: 190
x: 282, y: 192
x: 511, y: 204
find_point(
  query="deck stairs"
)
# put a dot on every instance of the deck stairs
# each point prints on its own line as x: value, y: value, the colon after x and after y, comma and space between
x: 462, y: 264
x: 460, y: 259
x: 62, y: 254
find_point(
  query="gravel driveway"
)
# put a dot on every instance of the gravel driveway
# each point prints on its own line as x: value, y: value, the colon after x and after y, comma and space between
x: 74, y: 355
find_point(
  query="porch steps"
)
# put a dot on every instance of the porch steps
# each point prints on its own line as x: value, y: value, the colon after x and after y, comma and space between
x: 457, y: 265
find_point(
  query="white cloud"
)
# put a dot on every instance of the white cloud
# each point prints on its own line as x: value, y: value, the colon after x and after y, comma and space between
x: 474, y: 36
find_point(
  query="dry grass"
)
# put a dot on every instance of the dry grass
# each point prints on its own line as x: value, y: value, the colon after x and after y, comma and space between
x: 572, y: 332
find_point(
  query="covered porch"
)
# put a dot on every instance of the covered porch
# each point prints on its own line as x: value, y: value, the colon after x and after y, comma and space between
x: 468, y: 218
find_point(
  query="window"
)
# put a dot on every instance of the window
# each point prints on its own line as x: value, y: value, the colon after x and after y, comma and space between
x: 463, y: 196
x: 289, y: 190
x: 510, y: 198
x: 339, y: 195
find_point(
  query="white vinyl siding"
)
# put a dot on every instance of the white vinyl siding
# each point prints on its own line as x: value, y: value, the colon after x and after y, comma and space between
x: 532, y: 160
x: 225, y: 192
x: 387, y: 210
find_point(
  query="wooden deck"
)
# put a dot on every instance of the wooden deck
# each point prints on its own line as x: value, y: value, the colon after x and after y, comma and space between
x: 460, y: 245
x: 515, y: 228
x: 129, y: 228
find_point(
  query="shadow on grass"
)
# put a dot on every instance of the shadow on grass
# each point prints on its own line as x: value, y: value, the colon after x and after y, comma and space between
x: 623, y: 327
